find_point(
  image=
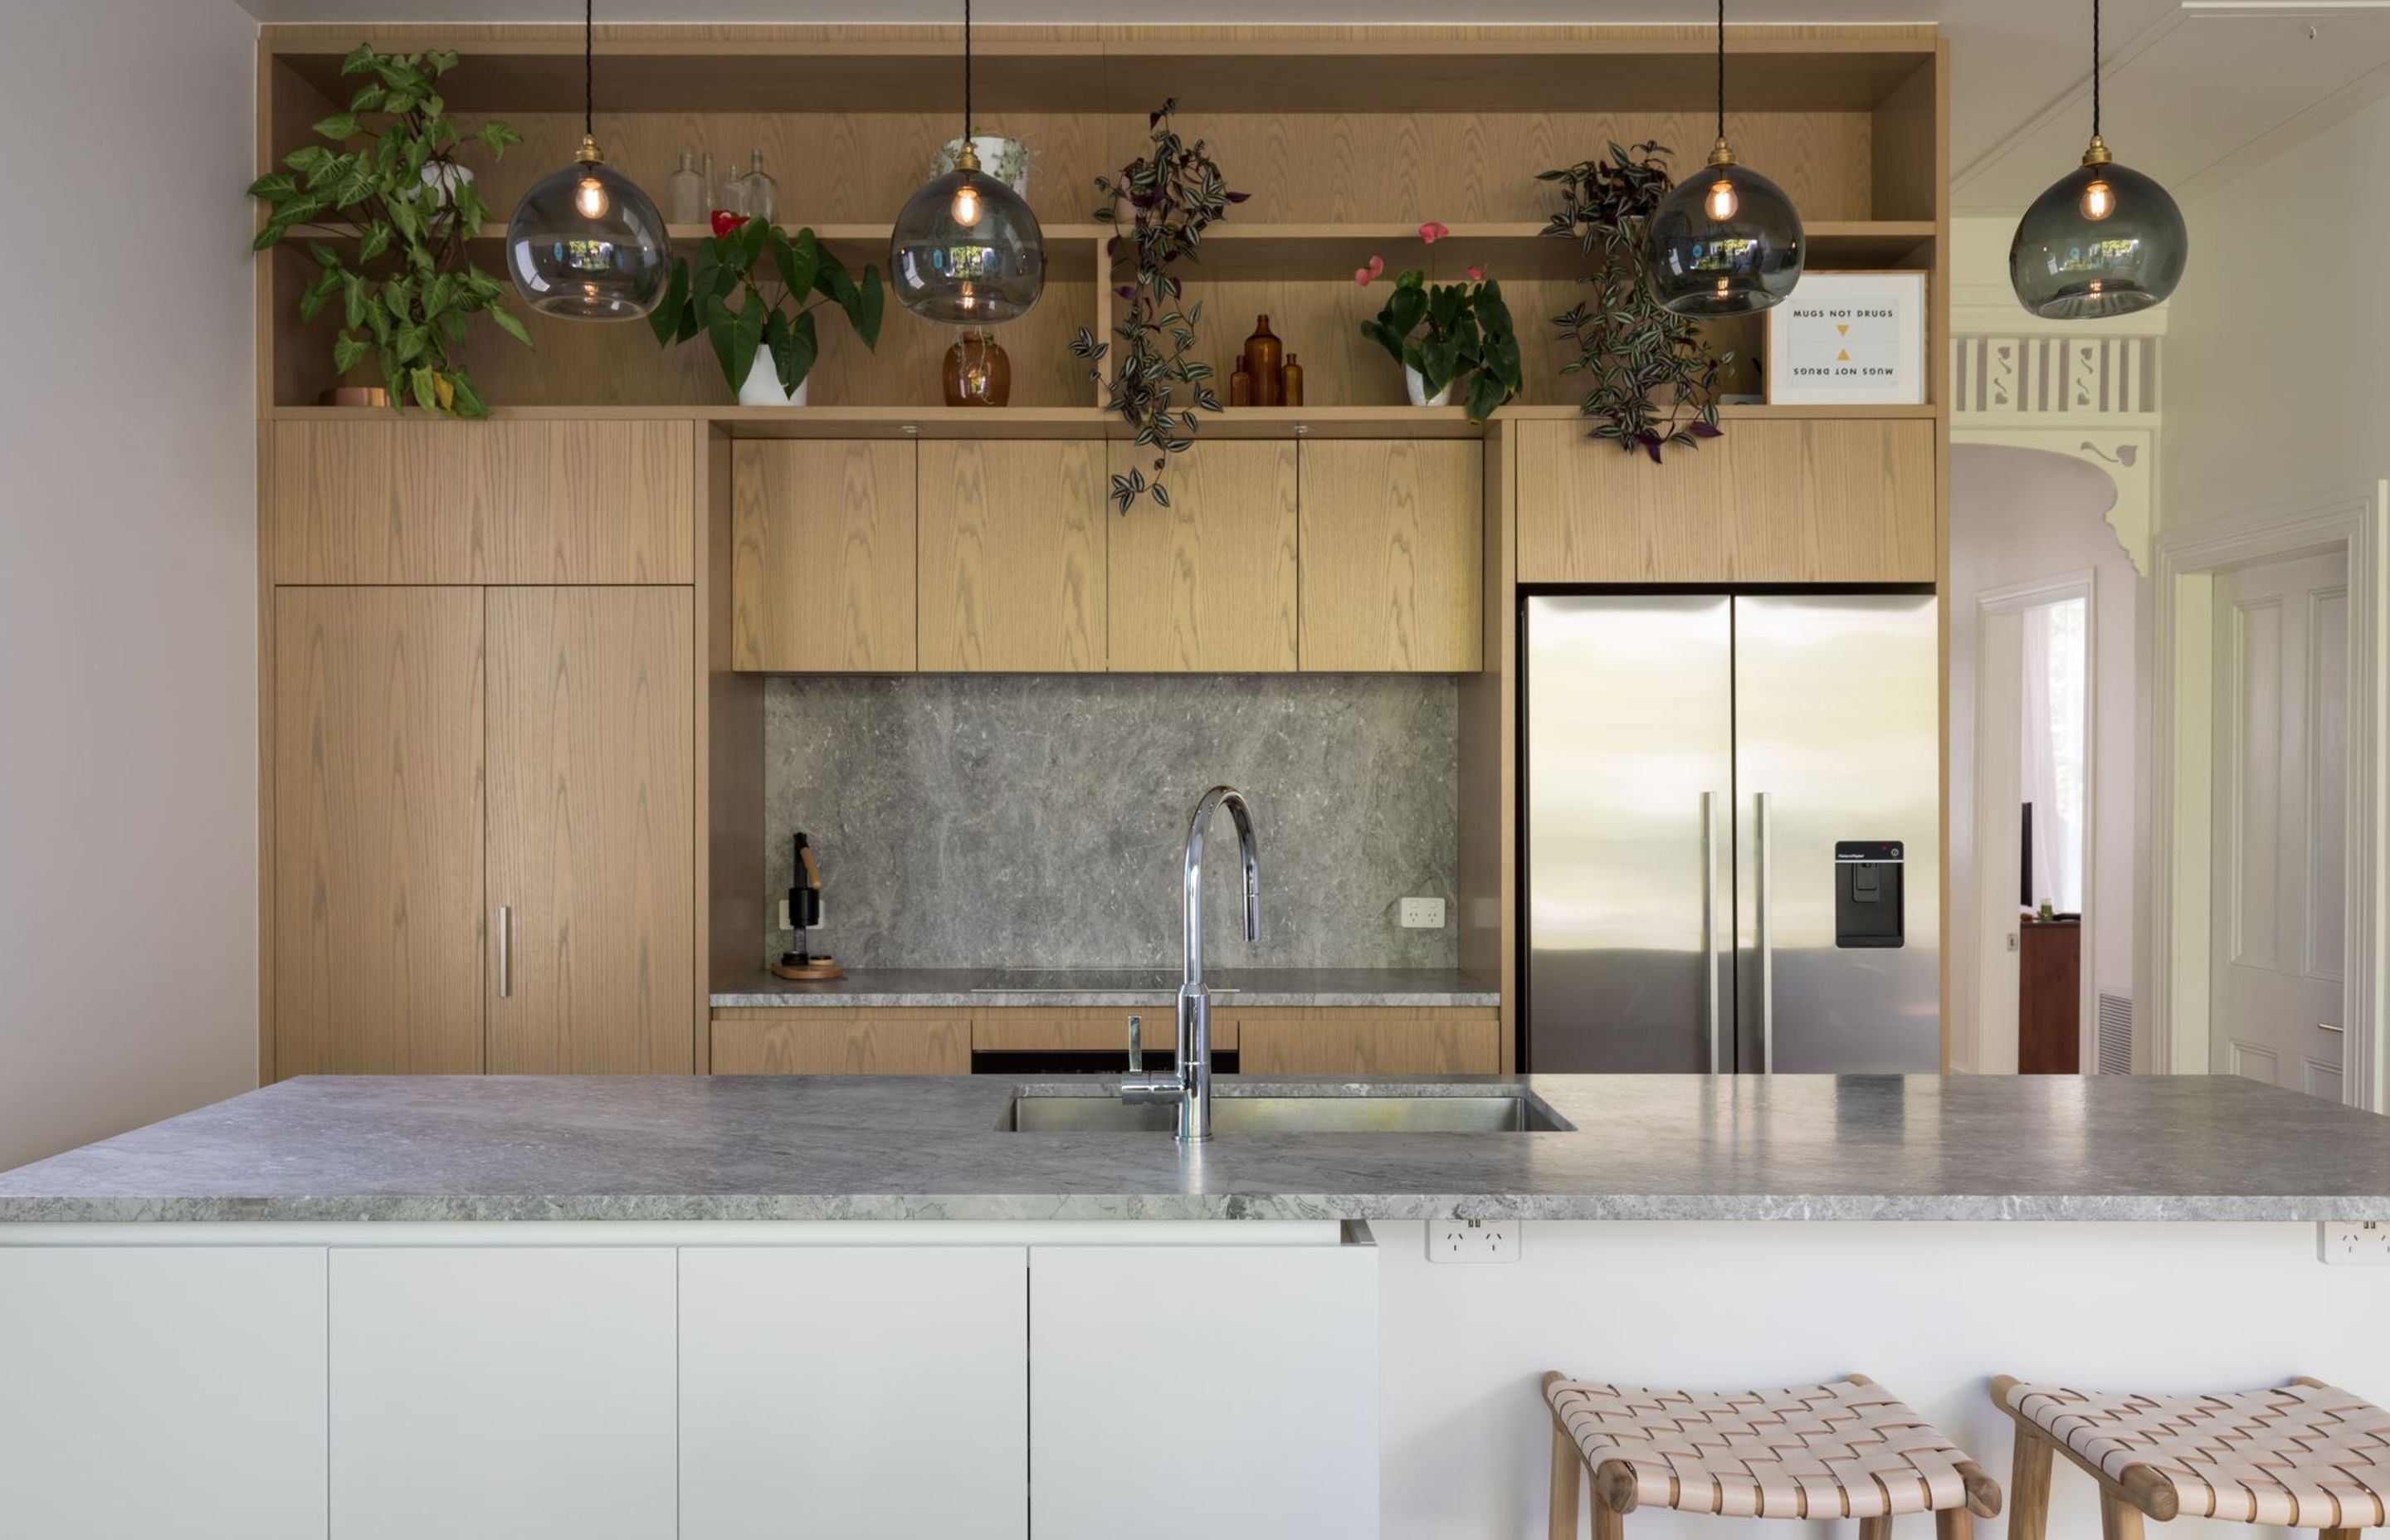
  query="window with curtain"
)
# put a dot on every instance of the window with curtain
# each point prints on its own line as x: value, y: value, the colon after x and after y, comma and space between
x: 2056, y: 685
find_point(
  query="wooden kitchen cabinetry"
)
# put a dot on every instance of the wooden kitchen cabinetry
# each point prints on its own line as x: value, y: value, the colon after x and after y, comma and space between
x: 826, y: 1040
x: 1368, y: 1040
x: 1011, y: 543
x: 1208, y: 584
x: 823, y: 556
x: 1392, y: 548
x: 1829, y: 499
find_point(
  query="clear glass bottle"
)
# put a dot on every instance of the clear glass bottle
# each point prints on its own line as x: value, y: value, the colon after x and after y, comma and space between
x: 688, y: 204
x: 759, y: 194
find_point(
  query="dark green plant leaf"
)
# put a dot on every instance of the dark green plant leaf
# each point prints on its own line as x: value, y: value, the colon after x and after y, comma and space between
x: 339, y: 128
x: 511, y: 325
x: 664, y: 320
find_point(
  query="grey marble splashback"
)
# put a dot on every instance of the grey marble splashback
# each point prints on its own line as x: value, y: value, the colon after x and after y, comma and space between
x: 996, y: 821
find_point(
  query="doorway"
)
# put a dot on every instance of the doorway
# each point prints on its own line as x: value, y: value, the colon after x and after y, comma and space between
x: 2035, y: 1007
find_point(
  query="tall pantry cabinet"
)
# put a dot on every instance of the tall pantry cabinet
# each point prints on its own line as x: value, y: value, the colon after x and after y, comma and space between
x: 482, y: 731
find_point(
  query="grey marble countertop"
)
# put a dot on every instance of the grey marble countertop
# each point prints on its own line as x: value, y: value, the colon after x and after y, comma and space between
x: 956, y: 988
x: 1641, y: 1147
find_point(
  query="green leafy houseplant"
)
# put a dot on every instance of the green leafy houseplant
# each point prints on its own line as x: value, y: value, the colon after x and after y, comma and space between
x: 758, y: 287
x: 1652, y: 375
x: 1159, y: 206
x: 1446, y: 332
x: 388, y: 187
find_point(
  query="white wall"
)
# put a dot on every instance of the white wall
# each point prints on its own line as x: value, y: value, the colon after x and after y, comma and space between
x: 2017, y: 515
x: 128, y: 630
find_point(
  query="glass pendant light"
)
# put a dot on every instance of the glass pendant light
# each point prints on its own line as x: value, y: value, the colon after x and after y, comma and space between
x: 2104, y: 240
x: 1727, y: 241
x: 967, y: 251
x: 585, y: 244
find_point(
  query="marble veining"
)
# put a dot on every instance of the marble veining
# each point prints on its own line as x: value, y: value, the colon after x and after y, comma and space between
x: 1002, y: 820
x: 1641, y: 1146
x: 963, y: 988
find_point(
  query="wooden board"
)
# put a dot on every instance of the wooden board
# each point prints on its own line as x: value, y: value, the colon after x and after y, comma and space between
x: 1208, y: 584
x: 1096, y: 1028
x: 1391, y: 557
x: 821, y: 1040
x: 1369, y: 1041
x: 1011, y: 543
x: 823, y: 570
x: 592, y: 828
x: 377, y: 831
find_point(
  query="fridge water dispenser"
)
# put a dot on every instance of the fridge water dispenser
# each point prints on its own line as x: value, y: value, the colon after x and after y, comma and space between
x: 1867, y: 907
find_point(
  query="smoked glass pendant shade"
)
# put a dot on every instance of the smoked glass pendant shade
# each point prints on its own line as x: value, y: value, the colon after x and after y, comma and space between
x: 585, y: 244
x: 967, y: 251
x: 2104, y: 240
x: 1724, y: 241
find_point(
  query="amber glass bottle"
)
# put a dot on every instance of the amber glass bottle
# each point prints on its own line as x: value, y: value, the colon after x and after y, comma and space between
x: 1263, y: 354
x: 978, y: 373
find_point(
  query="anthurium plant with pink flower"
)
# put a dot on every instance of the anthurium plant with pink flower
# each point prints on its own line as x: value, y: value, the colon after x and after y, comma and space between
x: 1449, y: 332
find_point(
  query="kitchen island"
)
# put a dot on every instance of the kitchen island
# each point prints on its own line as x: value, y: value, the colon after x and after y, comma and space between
x: 656, y: 1306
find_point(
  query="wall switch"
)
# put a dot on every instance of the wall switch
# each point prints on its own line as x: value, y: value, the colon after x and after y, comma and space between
x: 2359, y: 1241
x: 1422, y: 914
x: 1476, y: 1240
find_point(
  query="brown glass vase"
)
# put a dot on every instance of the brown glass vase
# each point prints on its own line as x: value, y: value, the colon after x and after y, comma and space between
x: 977, y: 372
x: 1263, y: 355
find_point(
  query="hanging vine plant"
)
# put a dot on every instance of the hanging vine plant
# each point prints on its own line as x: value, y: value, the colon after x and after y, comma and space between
x: 1652, y: 376
x: 1159, y: 206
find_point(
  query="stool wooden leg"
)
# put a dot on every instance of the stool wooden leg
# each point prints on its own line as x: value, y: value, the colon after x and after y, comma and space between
x: 2029, y: 1488
x: 2337, y: 1534
x: 1608, y: 1523
x: 1954, y: 1523
x: 1568, y: 1479
x: 1876, y: 1529
x: 2118, y: 1519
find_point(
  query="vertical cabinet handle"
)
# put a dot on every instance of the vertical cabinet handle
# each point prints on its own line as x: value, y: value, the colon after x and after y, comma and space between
x: 1710, y: 929
x: 506, y: 950
x: 1766, y: 943
x: 1136, y: 1045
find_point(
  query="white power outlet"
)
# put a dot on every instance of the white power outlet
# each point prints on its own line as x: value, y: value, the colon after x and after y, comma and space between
x: 785, y: 923
x: 1422, y: 914
x: 1476, y: 1240
x: 2357, y: 1241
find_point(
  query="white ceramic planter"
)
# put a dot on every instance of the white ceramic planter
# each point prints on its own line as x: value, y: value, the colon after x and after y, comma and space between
x: 1417, y: 388
x: 762, y: 387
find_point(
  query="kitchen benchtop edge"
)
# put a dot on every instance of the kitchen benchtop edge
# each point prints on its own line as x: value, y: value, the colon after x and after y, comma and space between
x: 1258, y: 988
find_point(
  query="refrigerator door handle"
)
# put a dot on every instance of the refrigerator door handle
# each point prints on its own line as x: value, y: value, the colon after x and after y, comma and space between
x: 1710, y: 927
x: 1767, y: 942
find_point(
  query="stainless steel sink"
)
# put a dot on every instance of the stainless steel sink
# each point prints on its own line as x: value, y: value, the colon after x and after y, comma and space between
x: 1038, y: 1110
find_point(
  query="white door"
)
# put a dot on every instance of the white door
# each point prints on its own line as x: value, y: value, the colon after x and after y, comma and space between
x: 2281, y: 808
x: 503, y: 1394
x: 837, y: 1392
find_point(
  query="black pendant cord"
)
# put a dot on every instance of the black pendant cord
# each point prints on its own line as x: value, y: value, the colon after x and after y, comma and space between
x: 967, y: 76
x: 1721, y: 69
x: 2095, y: 69
x: 589, y: 69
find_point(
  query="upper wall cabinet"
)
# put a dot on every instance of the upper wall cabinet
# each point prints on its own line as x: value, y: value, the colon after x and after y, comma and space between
x: 1804, y: 500
x: 385, y: 499
x: 822, y: 565
x: 1392, y: 553
x: 1012, y: 542
x: 1208, y: 584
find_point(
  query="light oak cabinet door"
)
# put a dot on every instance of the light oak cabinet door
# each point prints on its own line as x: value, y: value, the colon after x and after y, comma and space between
x: 378, y: 817
x: 1369, y: 1041
x: 825, y: 1040
x: 1392, y: 552
x: 1208, y: 584
x: 380, y: 500
x: 822, y: 575
x: 480, y: 1393
x: 1804, y: 500
x: 592, y: 843
x: 1012, y: 542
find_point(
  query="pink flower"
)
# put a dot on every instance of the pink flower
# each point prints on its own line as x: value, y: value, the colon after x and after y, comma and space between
x: 1477, y: 275
x: 1363, y: 275
x: 1433, y: 232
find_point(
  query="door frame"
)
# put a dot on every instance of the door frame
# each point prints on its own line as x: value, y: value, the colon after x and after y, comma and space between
x: 2356, y: 521
x: 2017, y: 599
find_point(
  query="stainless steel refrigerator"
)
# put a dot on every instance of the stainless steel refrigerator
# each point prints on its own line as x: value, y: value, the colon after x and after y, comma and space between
x: 1733, y: 841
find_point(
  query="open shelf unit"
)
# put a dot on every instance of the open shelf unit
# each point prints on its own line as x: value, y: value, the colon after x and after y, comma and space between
x: 1346, y: 137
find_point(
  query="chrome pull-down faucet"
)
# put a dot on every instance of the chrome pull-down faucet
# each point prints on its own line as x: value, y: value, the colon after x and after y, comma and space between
x: 1190, y: 1084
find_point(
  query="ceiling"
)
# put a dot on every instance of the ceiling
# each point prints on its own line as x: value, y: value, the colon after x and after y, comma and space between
x: 2198, y: 89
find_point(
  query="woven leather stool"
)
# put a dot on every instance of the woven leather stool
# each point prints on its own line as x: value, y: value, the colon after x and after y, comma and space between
x: 2306, y: 1456
x: 1848, y: 1450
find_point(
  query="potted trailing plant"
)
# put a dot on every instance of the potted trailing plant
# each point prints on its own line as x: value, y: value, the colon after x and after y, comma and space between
x: 1159, y: 206
x: 1444, y: 334
x: 387, y: 186
x: 753, y: 290
x: 1652, y: 375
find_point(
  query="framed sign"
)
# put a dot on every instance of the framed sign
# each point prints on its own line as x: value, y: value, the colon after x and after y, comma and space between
x: 1849, y: 338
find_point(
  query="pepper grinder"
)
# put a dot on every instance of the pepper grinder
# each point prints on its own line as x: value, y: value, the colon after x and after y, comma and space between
x: 1264, y: 352
x: 804, y: 913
